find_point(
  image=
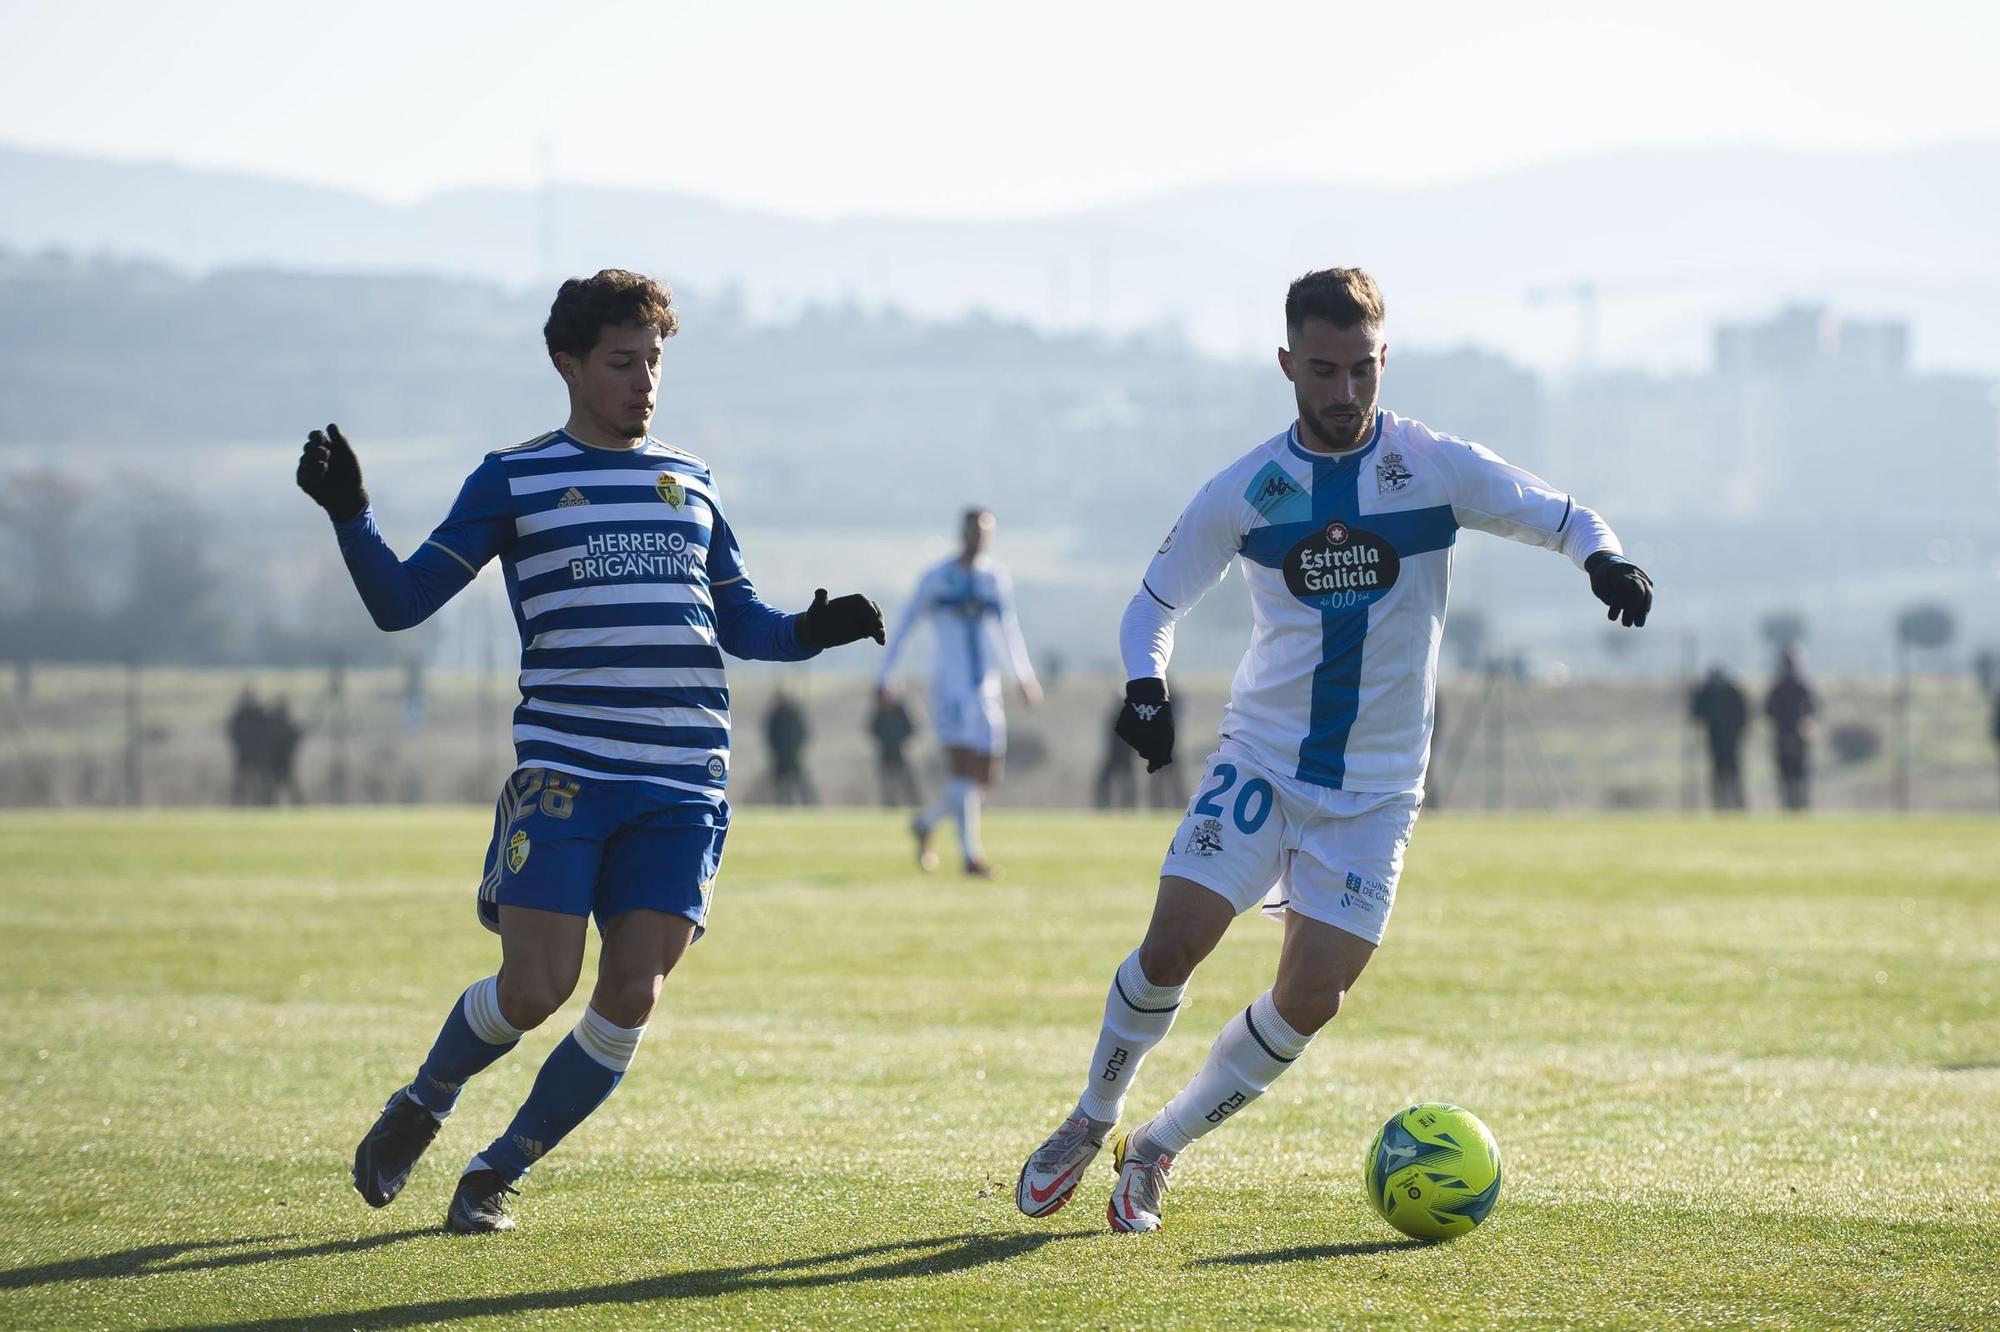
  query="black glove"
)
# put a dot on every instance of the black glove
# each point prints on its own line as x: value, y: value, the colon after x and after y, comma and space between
x: 1621, y: 585
x: 826, y: 624
x: 330, y: 473
x: 1147, y: 722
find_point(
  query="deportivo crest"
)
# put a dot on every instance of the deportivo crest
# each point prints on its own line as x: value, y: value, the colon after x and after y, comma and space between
x: 670, y: 488
x: 517, y: 851
x: 1391, y: 473
x: 1206, y: 839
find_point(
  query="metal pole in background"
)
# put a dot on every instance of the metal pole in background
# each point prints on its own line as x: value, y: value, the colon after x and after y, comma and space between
x: 1689, y: 759
x: 336, y: 727
x: 1899, y: 793
x: 134, y: 794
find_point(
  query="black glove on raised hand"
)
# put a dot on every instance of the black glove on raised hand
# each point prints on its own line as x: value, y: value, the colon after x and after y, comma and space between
x: 1621, y: 585
x: 847, y: 619
x: 330, y: 473
x: 1146, y: 722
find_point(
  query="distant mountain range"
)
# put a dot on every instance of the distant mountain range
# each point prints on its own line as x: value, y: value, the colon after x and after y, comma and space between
x: 1669, y: 241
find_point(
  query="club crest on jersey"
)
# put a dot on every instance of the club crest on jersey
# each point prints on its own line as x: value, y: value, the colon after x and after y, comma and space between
x: 1340, y: 567
x: 715, y: 766
x: 670, y: 488
x: 517, y: 851
x: 1391, y: 474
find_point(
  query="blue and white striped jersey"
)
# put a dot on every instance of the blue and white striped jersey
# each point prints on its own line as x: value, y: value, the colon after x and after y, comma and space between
x: 1348, y: 557
x: 627, y: 586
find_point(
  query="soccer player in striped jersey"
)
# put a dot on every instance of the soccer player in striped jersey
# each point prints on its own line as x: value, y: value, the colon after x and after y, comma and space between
x: 969, y: 601
x: 1344, y: 524
x: 628, y: 585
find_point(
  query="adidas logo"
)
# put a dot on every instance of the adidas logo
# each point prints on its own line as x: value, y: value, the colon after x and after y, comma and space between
x: 571, y: 498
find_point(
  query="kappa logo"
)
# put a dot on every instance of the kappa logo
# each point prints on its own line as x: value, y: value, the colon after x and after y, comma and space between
x: 571, y: 498
x: 517, y: 851
x: 1391, y: 473
x: 1148, y: 711
x: 671, y: 490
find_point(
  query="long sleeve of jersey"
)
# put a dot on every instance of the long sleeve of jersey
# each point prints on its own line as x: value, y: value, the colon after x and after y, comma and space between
x: 900, y: 635
x: 1491, y: 494
x: 401, y: 594
x: 1194, y: 558
x: 1011, y: 640
x: 745, y: 624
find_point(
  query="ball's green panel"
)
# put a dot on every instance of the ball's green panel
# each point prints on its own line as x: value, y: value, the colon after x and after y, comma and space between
x: 1433, y: 1171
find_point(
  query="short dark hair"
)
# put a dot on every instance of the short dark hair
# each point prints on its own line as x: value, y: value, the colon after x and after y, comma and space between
x: 1344, y: 297
x: 585, y: 307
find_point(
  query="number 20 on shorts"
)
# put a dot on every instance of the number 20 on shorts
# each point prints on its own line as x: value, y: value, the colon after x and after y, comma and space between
x: 1253, y: 802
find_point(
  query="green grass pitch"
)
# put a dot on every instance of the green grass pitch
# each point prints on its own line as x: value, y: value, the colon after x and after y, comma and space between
x: 1742, y: 1073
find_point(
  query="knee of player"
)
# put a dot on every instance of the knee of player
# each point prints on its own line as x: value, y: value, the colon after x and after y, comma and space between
x: 627, y: 1000
x: 529, y: 999
x: 1168, y: 960
x: 1308, y: 1004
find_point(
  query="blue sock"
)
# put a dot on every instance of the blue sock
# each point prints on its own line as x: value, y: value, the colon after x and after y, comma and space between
x: 472, y: 1037
x: 577, y: 1077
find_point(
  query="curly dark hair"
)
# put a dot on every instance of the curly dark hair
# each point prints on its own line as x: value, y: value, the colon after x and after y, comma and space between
x: 1343, y: 297
x: 585, y: 307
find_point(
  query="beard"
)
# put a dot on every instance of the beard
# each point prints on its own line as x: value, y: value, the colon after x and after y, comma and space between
x: 1340, y: 436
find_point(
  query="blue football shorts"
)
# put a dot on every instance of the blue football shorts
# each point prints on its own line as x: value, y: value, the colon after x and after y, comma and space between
x: 589, y: 846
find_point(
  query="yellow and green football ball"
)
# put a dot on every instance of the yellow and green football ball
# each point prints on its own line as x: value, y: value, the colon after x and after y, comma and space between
x: 1433, y: 1171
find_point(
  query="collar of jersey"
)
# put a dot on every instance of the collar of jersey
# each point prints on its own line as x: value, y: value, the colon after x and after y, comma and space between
x: 644, y: 444
x: 1332, y: 459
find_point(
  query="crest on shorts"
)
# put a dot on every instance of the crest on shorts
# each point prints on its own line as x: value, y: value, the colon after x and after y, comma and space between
x: 1206, y: 839
x: 517, y: 851
x: 670, y: 488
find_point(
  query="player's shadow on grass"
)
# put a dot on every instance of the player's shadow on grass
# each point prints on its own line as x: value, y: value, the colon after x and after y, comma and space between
x: 1307, y: 1252
x: 936, y: 1256
x: 158, y: 1259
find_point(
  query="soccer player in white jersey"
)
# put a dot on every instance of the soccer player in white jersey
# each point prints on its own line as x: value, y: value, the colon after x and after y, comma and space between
x: 1344, y: 523
x: 628, y: 586
x: 969, y: 602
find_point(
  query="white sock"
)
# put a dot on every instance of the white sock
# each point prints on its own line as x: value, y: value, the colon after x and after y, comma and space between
x: 482, y: 1013
x: 1247, y: 1057
x: 1137, y: 1016
x: 945, y: 802
x: 606, y: 1042
x: 968, y: 822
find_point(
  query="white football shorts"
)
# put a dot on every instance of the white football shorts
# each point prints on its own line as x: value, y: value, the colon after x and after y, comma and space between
x: 971, y: 721
x: 1253, y: 836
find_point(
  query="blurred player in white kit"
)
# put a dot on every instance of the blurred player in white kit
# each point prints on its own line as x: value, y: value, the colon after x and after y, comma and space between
x: 969, y: 602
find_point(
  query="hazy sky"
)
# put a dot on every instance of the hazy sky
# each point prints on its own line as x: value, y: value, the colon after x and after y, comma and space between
x: 945, y: 108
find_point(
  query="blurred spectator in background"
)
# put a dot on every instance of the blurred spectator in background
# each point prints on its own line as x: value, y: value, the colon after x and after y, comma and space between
x: 1790, y: 707
x: 280, y: 754
x: 891, y: 727
x: 245, y: 731
x: 786, y: 730
x: 1723, y: 710
x: 1117, y: 785
x: 1996, y: 720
